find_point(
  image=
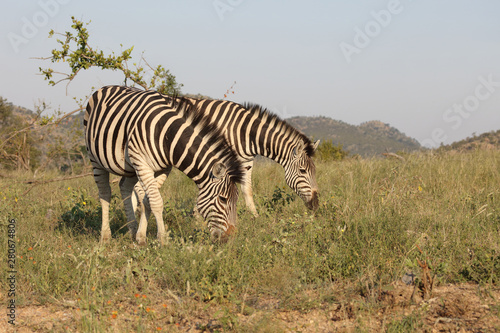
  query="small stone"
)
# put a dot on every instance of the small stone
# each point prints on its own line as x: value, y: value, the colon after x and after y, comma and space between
x: 408, y: 278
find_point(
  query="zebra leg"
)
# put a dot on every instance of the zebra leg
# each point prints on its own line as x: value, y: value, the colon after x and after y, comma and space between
x: 142, y: 202
x: 126, y: 189
x: 246, y: 188
x: 142, y: 197
x: 143, y: 220
x: 150, y: 186
x: 138, y: 198
x: 101, y: 178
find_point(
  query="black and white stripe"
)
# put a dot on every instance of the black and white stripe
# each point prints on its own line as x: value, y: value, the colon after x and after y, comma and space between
x: 140, y: 135
x: 251, y: 130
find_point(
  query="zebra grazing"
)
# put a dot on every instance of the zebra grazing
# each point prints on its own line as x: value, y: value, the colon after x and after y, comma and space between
x: 251, y: 130
x: 140, y: 135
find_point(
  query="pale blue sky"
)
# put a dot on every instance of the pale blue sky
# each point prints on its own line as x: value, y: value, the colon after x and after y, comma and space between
x: 430, y: 68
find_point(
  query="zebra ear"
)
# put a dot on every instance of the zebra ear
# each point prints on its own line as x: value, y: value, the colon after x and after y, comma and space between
x: 298, y: 148
x: 218, y: 170
x: 316, y: 144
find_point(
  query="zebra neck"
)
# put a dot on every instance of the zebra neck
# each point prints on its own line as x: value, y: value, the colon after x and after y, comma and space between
x: 275, y: 141
x: 193, y: 160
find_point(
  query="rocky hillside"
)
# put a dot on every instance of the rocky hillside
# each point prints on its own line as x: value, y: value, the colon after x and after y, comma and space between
x: 489, y: 140
x: 368, y: 139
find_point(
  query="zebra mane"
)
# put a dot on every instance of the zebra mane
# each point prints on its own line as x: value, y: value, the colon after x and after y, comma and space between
x: 214, y: 135
x: 289, y: 129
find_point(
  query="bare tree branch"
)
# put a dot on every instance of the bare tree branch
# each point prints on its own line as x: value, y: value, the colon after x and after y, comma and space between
x: 35, y: 182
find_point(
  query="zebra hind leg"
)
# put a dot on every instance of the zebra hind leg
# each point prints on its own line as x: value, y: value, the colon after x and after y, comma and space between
x: 101, y: 178
x: 246, y: 188
x: 126, y: 189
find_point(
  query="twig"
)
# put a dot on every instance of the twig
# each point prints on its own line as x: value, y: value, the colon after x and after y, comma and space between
x: 40, y: 182
x: 401, y: 158
x: 69, y: 114
x: 32, y: 126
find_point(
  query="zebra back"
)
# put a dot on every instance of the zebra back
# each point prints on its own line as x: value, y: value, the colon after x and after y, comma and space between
x: 135, y: 133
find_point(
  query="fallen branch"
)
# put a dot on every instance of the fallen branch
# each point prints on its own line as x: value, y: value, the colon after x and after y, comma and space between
x: 38, y: 182
x: 35, y: 182
x: 394, y: 155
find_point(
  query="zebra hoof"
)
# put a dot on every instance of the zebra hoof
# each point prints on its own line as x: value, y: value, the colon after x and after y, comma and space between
x: 141, y: 241
x: 162, y: 240
x: 105, y: 237
x: 133, y: 232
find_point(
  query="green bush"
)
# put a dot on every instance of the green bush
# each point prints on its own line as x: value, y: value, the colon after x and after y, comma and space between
x: 327, y: 151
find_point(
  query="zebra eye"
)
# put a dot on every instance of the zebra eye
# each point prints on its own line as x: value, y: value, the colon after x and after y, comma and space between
x: 302, y: 171
x: 222, y: 199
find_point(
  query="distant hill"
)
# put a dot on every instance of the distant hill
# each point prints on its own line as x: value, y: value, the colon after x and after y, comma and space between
x: 489, y: 140
x: 368, y: 139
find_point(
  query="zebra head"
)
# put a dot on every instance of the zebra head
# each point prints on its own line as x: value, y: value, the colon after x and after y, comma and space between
x: 300, y: 173
x: 217, y: 201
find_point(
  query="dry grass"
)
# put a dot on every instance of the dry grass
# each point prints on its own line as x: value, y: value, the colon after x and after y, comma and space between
x: 377, y: 220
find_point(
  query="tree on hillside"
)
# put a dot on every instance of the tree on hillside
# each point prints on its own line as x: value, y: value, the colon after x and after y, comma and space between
x: 327, y: 151
x: 17, y: 149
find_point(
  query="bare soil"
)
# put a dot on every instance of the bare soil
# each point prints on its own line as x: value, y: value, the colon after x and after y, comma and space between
x: 449, y: 308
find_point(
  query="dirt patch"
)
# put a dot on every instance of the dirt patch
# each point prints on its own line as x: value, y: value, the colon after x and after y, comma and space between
x: 450, y: 308
x: 42, y: 319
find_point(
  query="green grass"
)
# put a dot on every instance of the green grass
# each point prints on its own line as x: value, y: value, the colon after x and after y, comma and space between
x: 376, y: 218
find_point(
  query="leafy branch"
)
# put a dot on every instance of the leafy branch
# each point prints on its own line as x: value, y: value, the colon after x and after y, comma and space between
x: 75, y: 50
x: 18, y: 148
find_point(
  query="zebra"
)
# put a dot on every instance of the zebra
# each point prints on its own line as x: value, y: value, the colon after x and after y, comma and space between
x: 251, y: 130
x: 139, y: 135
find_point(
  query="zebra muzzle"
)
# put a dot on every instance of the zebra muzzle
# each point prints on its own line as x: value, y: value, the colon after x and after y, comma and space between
x: 314, y: 202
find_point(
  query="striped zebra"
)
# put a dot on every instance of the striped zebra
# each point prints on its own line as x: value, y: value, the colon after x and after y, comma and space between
x: 139, y: 135
x: 251, y: 130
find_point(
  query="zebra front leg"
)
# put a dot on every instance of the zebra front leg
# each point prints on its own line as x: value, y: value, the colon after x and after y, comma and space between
x: 150, y: 186
x: 143, y: 225
x: 142, y: 197
x: 246, y: 188
x: 126, y: 189
x: 141, y: 205
x: 101, y: 178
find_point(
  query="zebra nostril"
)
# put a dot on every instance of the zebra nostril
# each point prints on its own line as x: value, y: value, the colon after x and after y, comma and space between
x: 231, y: 230
x: 314, y: 203
x: 223, y: 237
